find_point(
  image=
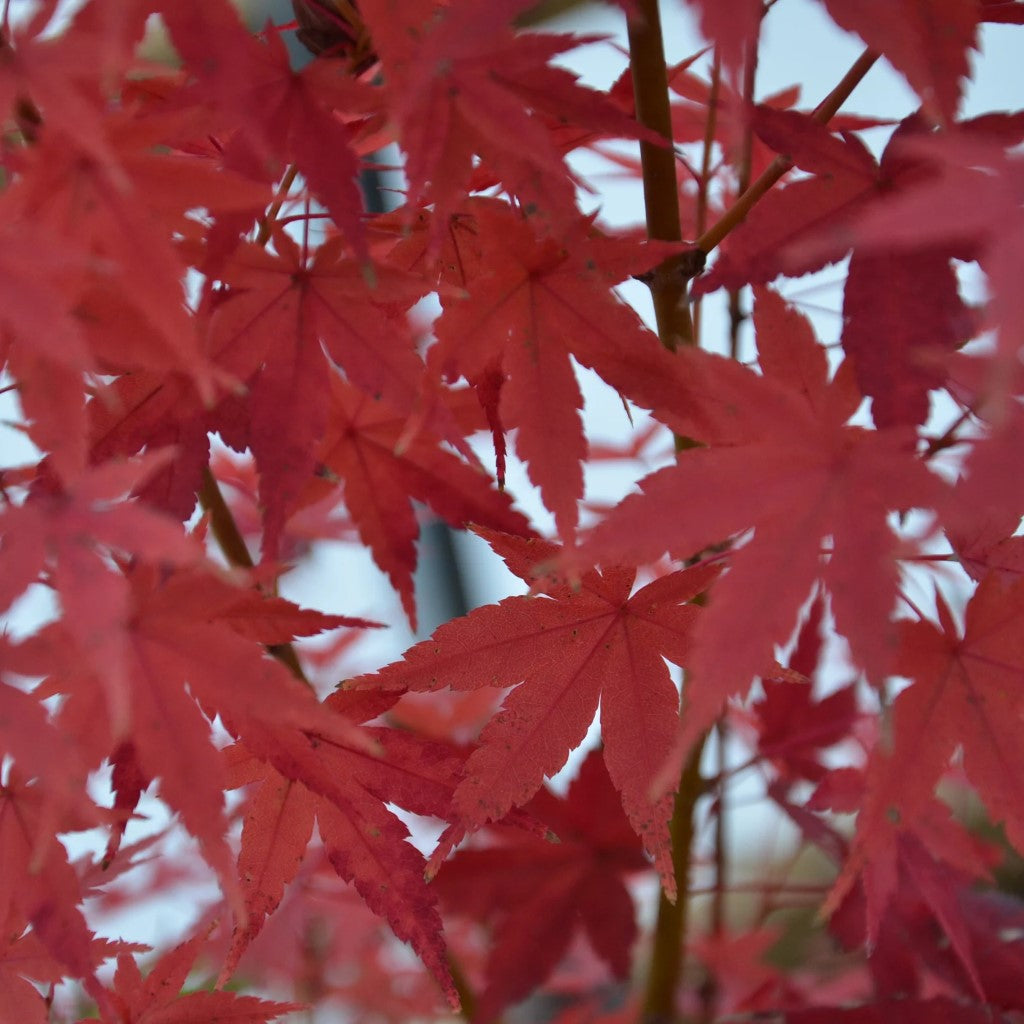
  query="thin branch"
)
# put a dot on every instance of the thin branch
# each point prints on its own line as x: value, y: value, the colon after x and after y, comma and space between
x: 709, y: 989
x: 658, y: 163
x: 668, y: 956
x: 736, y: 313
x: 270, y: 217
x: 823, y: 113
x: 704, y: 180
x: 232, y: 544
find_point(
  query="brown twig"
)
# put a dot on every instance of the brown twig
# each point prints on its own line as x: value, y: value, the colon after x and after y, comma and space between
x: 658, y: 164
x: 823, y: 113
x: 231, y: 542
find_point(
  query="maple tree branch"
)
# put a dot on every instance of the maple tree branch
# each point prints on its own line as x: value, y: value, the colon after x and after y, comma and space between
x: 704, y: 182
x: 743, y: 169
x: 823, y: 113
x: 267, y: 220
x: 709, y: 995
x: 232, y: 544
x: 222, y: 523
x: 949, y: 437
x: 658, y: 163
x: 668, y: 955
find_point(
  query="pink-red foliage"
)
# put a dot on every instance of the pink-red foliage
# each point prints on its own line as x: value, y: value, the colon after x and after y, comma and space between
x: 826, y: 576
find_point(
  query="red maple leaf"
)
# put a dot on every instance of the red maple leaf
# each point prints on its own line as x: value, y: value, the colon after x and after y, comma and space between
x: 101, y: 208
x: 284, y: 310
x: 793, y: 727
x: 283, y: 116
x: 38, y: 886
x: 963, y: 697
x: 731, y: 26
x: 934, y: 1010
x: 537, y: 302
x: 973, y: 158
x: 902, y: 310
x: 366, y: 447
x: 183, y: 640
x: 67, y: 534
x: 324, y: 778
x: 774, y: 237
x: 464, y: 83
x: 568, y: 648
x: 927, y: 41
x: 158, y: 998
x: 902, y: 865
x: 537, y: 892
x: 795, y: 476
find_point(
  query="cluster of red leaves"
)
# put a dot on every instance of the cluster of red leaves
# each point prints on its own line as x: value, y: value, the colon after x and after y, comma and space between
x: 185, y: 253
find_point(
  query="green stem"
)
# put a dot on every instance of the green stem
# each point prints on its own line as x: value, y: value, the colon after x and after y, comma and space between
x: 658, y: 163
x: 668, y: 955
x: 823, y: 113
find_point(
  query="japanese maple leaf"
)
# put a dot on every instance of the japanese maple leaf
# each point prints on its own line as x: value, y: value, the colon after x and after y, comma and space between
x: 537, y: 302
x: 365, y: 447
x: 283, y: 115
x: 929, y: 320
x: 38, y: 749
x: 973, y: 158
x: 345, y: 790
x: 791, y: 724
x: 460, y: 82
x: 158, y: 998
x: 795, y: 477
x: 103, y: 209
x: 964, y: 697
x: 927, y: 41
x: 38, y: 886
x: 564, y: 651
x: 988, y: 499
x: 910, y: 298
x: 159, y: 410
x: 793, y: 727
x: 987, y: 543
x: 284, y: 311
x: 902, y: 863
x: 186, y: 640
x: 22, y: 958
x: 746, y: 980
x: 1008, y: 12
x: 994, y: 919
x: 53, y: 77
x: 538, y: 892
x: 69, y: 534
x: 42, y: 277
